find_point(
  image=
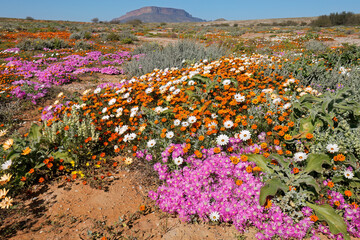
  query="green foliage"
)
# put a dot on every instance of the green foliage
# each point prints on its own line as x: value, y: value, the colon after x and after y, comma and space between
x: 327, y: 213
x: 83, y: 45
x: 321, y: 110
x: 172, y: 55
x: 81, y: 35
x: 336, y: 19
x: 40, y: 44
x: 315, y: 46
x: 124, y: 37
x: 74, y: 134
x: 134, y: 22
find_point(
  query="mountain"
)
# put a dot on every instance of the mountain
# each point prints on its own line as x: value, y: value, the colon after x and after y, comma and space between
x: 158, y: 14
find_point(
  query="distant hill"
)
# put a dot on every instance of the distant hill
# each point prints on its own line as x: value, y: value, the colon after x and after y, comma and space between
x: 158, y: 14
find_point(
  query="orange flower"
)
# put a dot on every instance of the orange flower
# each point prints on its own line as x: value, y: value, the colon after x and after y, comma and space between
x: 239, y: 182
x: 295, y: 170
x: 348, y: 193
x: 41, y: 180
x: 201, y: 138
x: 142, y: 208
x: 314, y: 218
x: 102, y: 154
x: 234, y: 160
x: 26, y: 151
x: 249, y: 169
x: 309, y: 136
x: 23, y: 179
x: 217, y: 150
x: 31, y: 171
x: 339, y: 157
x: 66, y: 128
x: 61, y: 167
x: 330, y: 184
x: 244, y: 158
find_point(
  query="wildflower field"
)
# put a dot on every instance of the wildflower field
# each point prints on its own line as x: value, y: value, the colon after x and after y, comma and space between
x: 251, y: 132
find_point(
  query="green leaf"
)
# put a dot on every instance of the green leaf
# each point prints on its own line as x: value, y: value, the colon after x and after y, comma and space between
x: 306, y: 126
x: 279, y: 159
x: 352, y: 160
x: 12, y: 155
x: 271, y: 187
x: 62, y: 155
x: 34, y: 132
x: 309, y: 180
x: 261, y: 162
x: 40, y: 165
x: 337, y: 179
x: 327, y: 213
x: 355, y: 184
x: 315, y: 162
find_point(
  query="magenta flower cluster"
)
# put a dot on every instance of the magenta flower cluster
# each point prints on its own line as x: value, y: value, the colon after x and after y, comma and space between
x: 29, y: 90
x: 60, y: 68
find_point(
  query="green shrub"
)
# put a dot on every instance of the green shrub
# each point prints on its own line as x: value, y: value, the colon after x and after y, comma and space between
x: 83, y: 45
x: 315, y: 46
x: 40, y: 44
x: 80, y: 35
x: 172, y: 55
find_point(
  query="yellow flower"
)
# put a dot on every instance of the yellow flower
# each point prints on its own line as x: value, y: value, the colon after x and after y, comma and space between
x: 26, y: 151
x: 5, y: 178
x: 3, y: 193
x: 6, y: 203
x: 128, y: 160
x: 287, y: 137
x: 3, y: 132
x: 8, y: 144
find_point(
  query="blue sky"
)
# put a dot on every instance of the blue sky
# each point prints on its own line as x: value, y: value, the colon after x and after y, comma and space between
x: 85, y: 10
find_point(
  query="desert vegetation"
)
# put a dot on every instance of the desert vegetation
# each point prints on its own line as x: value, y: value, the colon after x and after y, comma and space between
x: 254, y: 127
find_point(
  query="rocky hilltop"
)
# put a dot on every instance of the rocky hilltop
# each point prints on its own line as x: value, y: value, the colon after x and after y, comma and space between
x: 158, y: 14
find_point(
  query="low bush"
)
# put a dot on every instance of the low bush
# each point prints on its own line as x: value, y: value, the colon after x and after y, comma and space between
x: 172, y: 55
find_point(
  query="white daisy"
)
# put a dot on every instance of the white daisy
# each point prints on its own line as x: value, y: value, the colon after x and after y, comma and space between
x: 98, y: 90
x: 106, y: 117
x: 226, y: 82
x: 178, y: 161
x: 158, y: 109
x: 148, y: 90
x: 104, y: 110
x: 151, y: 143
x: 132, y: 136
x: 287, y: 106
x: 300, y: 156
x: 112, y: 101
x: 176, y: 92
x: 239, y: 98
x: 119, y: 110
x: 184, y: 124
x: 277, y: 100
x: 228, y: 124
x: 192, y: 119
x: 332, y: 148
x: 348, y: 174
x: 6, y: 165
x: 222, y: 139
x: 170, y: 134
x: 245, y: 135
x: 177, y: 122
x: 214, y: 116
x: 191, y: 82
x: 123, y: 129
x: 214, y: 216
